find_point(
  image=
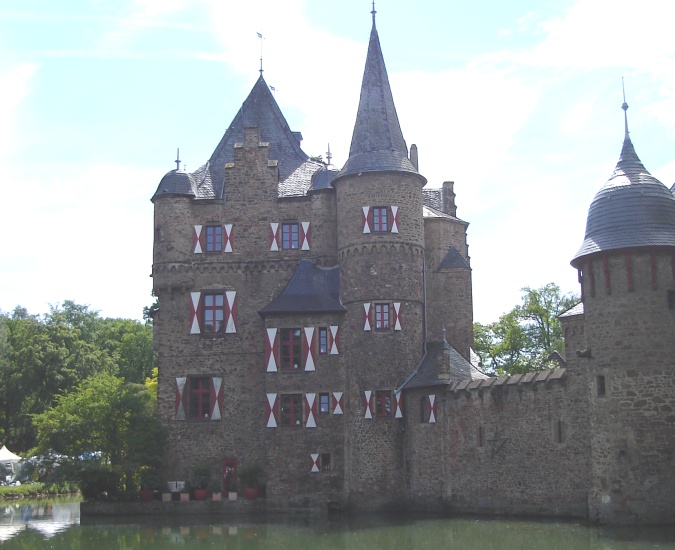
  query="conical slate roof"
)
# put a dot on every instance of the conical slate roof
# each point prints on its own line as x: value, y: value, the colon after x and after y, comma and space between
x: 377, y: 141
x: 176, y: 182
x: 633, y: 209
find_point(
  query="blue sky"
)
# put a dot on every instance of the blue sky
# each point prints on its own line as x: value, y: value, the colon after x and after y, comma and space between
x: 517, y: 102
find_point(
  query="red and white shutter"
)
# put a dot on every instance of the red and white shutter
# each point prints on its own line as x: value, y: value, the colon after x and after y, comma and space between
x: 397, y: 316
x: 368, y: 404
x: 366, y: 219
x: 310, y: 410
x: 180, y: 407
x: 228, y: 237
x: 197, y: 239
x: 432, y: 409
x: 398, y: 405
x: 195, y: 312
x: 274, y: 236
x: 338, y: 402
x: 216, y: 397
x: 304, y: 235
x: 271, y: 346
x: 315, y: 462
x: 334, y: 343
x: 394, y: 219
x: 308, y: 348
x: 230, y: 311
x: 366, y: 316
x: 271, y: 410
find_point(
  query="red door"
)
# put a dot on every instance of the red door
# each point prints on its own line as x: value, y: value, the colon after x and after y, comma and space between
x: 229, y: 475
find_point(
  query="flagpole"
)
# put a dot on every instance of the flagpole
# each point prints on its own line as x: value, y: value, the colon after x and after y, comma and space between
x: 261, y: 40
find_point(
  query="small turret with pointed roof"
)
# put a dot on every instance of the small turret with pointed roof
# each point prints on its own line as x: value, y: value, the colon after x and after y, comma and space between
x: 377, y: 142
x: 633, y: 209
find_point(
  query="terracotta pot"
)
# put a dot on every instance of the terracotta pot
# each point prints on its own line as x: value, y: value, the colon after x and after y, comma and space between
x: 146, y: 495
x: 201, y: 494
x: 251, y: 493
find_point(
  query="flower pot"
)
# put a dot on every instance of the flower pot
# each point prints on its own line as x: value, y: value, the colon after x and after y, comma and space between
x: 251, y: 493
x: 146, y: 495
x: 185, y: 497
x: 201, y: 494
x: 166, y: 497
x: 217, y: 496
x: 232, y: 495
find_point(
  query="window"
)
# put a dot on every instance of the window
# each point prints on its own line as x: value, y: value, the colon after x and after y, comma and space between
x: 671, y: 299
x: 214, y: 238
x: 383, y: 403
x: 425, y: 409
x: 289, y: 236
x: 560, y: 431
x: 380, y: 219
x: 381, y: 316
x: 324, y: 461
x: 200, y: 398
x: 214, y: 313
x: 323, y: 340
x: 480, y: 438
x: 290, y: 410
x: 324, y: 403
x: 290, y: 354
x: 600, y: 385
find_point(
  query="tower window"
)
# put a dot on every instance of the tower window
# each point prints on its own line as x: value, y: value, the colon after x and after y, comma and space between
x: 290, y: 410
x: 383, y: 403
x: 200, y: 398
x: 214, y: 238
x: 289, y: 236
x: 381, y: 316
x: 323, y: 340
x: 380, y: 219
x: 290, y: 349
x: 214, y: 313
x: 324, y: 403
x: 600, y: 385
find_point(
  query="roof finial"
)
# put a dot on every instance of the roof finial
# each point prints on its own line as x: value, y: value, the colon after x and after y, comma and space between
x: 261, y: 39
x: 624, y: 106
x: 373, y: 13
x: 177, y: 161
x: 328, y: 156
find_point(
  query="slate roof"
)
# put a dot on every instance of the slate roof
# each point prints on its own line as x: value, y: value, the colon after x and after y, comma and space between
x: 433, y: 197
x: 322, y: 178
x: 633, y: 209
x: 454, y: 260
x: 574, y: 310
x: 259, y: 110
x: 427, y: 374
x: 377, y: 141
x: 176, y: 182
x: 311, y: 289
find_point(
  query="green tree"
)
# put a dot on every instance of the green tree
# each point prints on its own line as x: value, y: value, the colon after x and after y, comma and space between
x: 523, y: 338
x: 129, y: 345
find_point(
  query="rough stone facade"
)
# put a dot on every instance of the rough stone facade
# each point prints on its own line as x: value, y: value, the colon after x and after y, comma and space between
x: 319, y: 323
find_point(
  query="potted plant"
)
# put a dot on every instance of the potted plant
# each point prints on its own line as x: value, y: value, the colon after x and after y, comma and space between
x: 150, y: 480
x: 249, y: 478
x: 201, y: 477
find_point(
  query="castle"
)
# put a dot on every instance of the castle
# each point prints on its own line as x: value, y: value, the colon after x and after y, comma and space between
x: 318, y: 322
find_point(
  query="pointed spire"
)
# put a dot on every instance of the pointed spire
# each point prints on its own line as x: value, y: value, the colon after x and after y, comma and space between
x: 377, y: 141
x: 624, y: 106
x: 177, y: 161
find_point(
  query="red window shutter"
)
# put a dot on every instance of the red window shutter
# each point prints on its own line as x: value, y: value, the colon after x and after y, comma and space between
x: 197, y: 239
x: 271, y: 410
x: 230, y: 311
x: 397, y: 316
x: 394, y: 219
x: 367, y: 221
x: 314, y: 461
x: 398, y: 405
x: 334, y: 342
x: 432, y: 409
x: 195, y: 312
x: 338, y: 402
x: 271, y: 349
x: 180, y: 405
x: 310, y: 410
x: 274, y: 236
x: 216, y: 397
x: 366, y: 316
x: 228, y: 237
x: 308, y: 348
x: 368, y: 404
x: 304, y: 235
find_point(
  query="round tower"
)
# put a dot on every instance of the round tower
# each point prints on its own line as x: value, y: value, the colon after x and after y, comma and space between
x: 380, y: 240
x: 626, y: 269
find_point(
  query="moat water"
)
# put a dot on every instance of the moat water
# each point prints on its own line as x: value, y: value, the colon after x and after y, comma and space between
x: 56, y: 524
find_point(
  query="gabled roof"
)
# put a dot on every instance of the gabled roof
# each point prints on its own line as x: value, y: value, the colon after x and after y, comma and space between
x: 377, y: 142
x: 633, y: 209
x: 259, y: 110
x: 311, y: 289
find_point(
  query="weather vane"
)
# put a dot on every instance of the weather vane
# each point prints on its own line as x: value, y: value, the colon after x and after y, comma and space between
x: 261, y: 39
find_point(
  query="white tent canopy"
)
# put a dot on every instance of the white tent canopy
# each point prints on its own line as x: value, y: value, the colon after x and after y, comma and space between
x: 8, y: 456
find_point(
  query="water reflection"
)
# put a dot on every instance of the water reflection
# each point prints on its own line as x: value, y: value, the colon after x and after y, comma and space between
x: 31, y: 525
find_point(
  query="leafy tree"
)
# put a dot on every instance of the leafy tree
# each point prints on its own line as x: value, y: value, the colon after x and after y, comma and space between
x: 522, y: 339
x: 129, y: 344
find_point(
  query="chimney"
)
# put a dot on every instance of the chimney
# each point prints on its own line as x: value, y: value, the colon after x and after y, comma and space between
x: 449, y: 206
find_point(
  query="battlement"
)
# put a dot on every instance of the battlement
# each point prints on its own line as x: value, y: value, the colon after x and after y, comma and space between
x: 510, y: 380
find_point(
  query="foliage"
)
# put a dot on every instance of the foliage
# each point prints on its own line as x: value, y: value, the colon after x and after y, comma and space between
x: 42, y: 357
x: 151, y: 383
x: 522, y: 339
x: 201, y: 475
x: 249, y: 475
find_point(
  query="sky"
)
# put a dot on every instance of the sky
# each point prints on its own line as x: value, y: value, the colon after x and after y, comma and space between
x: 518, y: 103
